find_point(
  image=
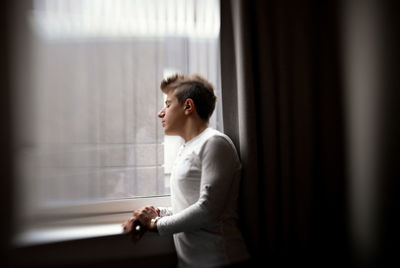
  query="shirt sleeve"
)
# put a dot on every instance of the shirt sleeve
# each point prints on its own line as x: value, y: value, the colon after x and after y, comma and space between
x: 165, y: 211
x: 220, y: 167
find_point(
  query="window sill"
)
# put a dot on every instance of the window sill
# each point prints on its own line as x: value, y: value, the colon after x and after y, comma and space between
x: 41, y: 236
x: 86, y: 244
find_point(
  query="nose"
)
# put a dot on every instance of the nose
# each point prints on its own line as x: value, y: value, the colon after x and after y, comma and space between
x: 161, y: 113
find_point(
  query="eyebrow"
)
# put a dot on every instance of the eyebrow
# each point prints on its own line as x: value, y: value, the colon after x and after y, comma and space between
x: 167, y: 102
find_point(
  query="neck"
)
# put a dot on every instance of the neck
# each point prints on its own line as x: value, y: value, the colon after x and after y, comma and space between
x: 193, y: 129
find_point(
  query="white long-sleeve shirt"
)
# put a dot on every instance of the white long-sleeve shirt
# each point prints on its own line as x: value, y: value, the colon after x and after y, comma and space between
x: 204, y: 190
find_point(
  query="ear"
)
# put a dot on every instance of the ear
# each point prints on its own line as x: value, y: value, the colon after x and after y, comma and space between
x: 188, y: 106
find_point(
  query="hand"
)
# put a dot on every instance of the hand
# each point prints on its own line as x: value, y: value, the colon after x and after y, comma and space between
x: 141, y: 217
x: 128, y: 225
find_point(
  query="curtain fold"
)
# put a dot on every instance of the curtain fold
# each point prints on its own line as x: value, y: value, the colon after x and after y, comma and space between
x: 279, y: 60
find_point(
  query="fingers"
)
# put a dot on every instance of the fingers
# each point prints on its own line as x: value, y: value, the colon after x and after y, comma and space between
x: 137, y: 232
x: 128, y: 225
x: 144, y: 215
x: 131, y: 224
x: 137, y: 225
x: 134, y: 229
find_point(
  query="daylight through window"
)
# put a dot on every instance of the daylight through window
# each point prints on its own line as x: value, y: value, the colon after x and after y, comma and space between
x: 87, y: 107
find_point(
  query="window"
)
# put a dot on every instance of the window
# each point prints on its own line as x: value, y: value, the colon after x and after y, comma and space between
x: 88, y: 132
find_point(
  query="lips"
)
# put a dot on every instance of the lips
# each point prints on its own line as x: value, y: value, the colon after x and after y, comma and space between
x: 163, y: 123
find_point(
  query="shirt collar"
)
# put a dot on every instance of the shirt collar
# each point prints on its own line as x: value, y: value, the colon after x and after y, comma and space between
x: 196, y: 138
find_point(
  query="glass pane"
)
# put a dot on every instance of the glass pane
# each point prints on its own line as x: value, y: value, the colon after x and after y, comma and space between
x: 88, y: 126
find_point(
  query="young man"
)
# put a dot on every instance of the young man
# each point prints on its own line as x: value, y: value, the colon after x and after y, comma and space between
x: 204, y: 182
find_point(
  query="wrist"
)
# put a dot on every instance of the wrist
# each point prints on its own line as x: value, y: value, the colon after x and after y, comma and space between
x: 153, y: 224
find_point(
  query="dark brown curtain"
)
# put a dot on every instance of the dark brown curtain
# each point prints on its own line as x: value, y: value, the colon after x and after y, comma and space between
x: 280, y: 77
x: 6, y: 171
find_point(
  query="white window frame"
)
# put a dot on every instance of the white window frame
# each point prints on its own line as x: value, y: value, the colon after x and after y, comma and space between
x: 86, y: 214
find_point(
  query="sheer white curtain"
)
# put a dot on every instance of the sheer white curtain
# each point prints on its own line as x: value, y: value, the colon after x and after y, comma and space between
x: 91, y: 131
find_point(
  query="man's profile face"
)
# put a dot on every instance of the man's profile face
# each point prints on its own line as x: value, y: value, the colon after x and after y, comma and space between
x: 172, y: 115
